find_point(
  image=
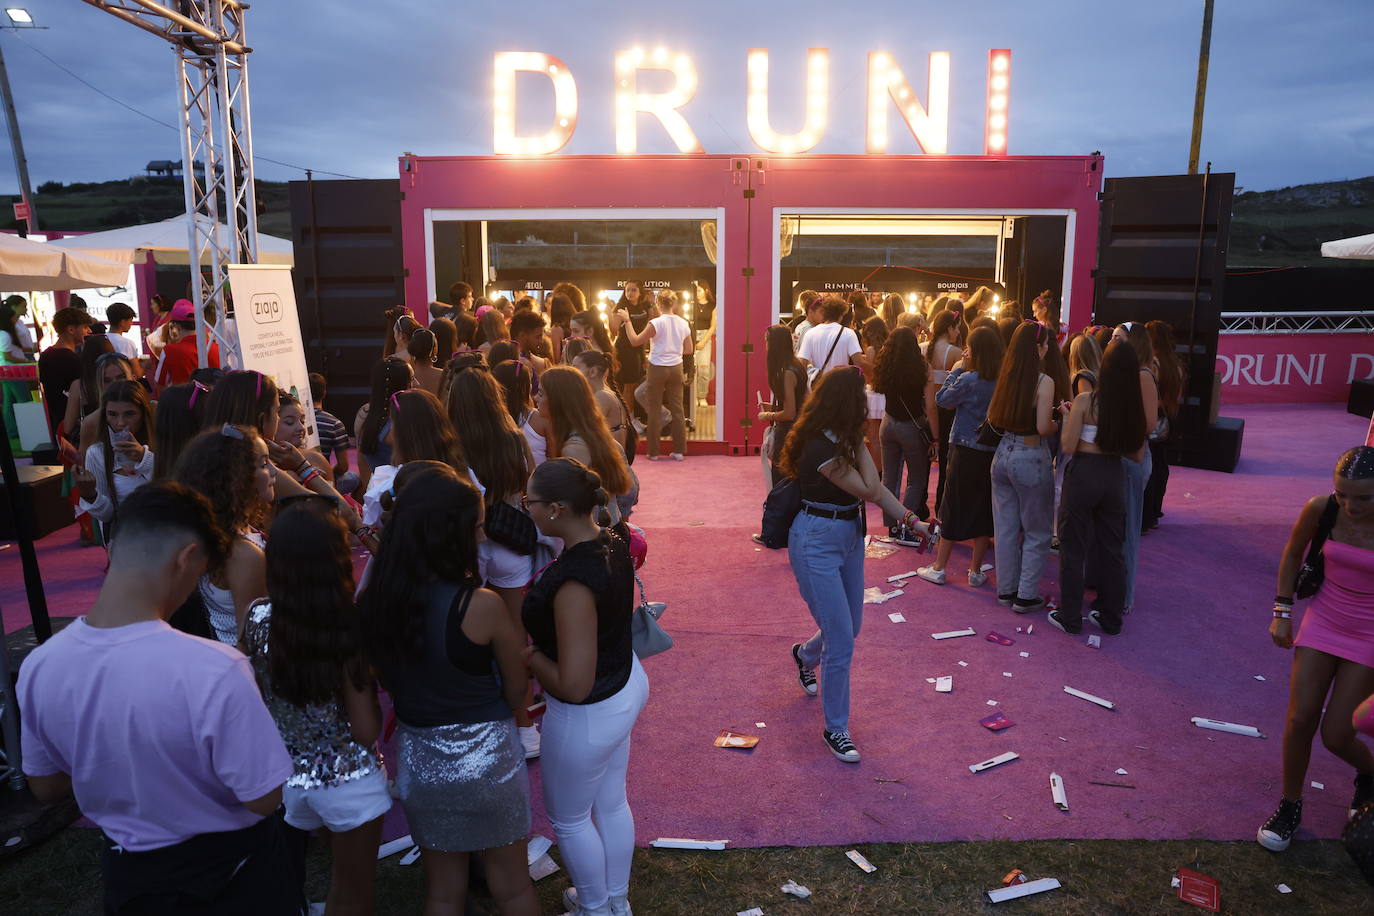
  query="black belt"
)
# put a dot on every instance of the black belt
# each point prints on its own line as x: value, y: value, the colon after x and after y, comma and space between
x: 840, y: 514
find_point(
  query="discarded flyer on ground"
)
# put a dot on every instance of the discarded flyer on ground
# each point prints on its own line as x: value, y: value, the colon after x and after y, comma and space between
x: 858, y: 859
x: 1218, y: 726
x: 1199, y: 890
x: 995, y: 761
x: 795, y: 889
x: 669, y: 842
x: 1094, y: 641
x: 395, y: 846
x: 727, y: 738
x: 875, y: 595
x: 998, y: 895
x: 901, y: 577
x: 996, y: 722
x: 1061, y: 800
x: 537, y: 857
x: 1283, y: 889
x: 1015, y: 876
x: 752, y: 911
x: 944, y: 684
x: 951, y: 634
x: 878, y: 551
x: 1105, y: 704
x: 897, y: 617
x: 999, y: 639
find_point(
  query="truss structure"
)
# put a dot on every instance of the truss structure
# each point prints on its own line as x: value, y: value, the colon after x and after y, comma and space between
x: 209, y: 41
x: 1297, y: 322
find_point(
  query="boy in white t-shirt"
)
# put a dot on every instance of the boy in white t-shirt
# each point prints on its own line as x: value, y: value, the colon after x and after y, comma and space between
x: 830, y: 344
x: 670, y: 338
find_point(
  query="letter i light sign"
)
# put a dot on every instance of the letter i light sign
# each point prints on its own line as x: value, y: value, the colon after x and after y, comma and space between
x: 888, y: 86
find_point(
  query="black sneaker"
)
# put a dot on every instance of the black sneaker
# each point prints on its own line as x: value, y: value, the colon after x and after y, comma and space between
x: 1364, y: 792
x: 1007, y: 600
x: 842, y: 747
x: 805, y: 676
x: 1096, y: 618
x: 1053, y: 617
x: 1027, y: 605
x: 1278, y: 831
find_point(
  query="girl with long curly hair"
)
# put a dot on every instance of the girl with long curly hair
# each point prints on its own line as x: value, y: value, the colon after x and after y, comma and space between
x: 825, y: 454
x: 230, y: 467
x: 450, y: 657
x: 304, y: 641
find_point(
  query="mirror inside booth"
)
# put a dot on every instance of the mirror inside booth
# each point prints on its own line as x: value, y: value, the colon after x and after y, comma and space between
x: 614, y: 264
x: 919, y: 257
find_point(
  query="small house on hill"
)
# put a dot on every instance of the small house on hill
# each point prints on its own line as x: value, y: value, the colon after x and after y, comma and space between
x: 163, y: 168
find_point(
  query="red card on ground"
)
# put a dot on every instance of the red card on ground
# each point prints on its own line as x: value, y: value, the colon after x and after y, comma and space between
x: 1199, y: 890
x: 728, y: 738
x: 996, y: 722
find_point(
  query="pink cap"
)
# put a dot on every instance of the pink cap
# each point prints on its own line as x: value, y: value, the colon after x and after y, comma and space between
x: 183, y: 310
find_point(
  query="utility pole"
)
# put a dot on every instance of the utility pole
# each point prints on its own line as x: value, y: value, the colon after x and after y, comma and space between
x: 21, y: 164
x: 1203, y: 55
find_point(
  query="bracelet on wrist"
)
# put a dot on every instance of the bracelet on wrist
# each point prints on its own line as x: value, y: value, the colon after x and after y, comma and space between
x: 1280, y: 600
x: 1283, y: 615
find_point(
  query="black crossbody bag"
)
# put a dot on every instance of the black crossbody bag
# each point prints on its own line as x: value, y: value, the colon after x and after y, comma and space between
x: 1313, y: 570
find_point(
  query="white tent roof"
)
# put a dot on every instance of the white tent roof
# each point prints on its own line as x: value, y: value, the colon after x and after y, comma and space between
x: 31, y: 266
x: 167, y: 241
x: 1361, y: 246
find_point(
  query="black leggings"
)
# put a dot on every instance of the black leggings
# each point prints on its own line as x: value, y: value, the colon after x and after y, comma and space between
x: 1157, y: 484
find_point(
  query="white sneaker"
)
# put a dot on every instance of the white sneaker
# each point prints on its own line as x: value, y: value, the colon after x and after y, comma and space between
x: 529, y: 739
x: 976, y: 579
x: 931, y: 574
x: 615, y: 906
x: 678, y: 456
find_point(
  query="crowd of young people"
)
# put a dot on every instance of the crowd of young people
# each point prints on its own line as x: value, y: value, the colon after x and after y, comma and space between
x: 1042, y: 443
x: 492, y: 497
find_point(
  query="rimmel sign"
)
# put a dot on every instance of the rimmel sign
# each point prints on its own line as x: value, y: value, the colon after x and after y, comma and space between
x: 888, y: 87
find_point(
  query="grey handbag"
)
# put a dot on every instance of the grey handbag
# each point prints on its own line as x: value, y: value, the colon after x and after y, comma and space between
x: 647, y: 633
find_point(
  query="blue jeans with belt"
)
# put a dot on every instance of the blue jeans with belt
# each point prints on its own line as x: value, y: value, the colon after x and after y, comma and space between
x: 827, y: 557
x: 1137, y: 476
x: 1022, y: 514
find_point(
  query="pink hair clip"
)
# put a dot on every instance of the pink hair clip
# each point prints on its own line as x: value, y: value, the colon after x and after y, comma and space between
x: 196, y: 389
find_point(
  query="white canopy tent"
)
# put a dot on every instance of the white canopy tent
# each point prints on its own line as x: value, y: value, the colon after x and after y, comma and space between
x: 166, y: 241
x: 42, y: 266
x: 1360, y: 247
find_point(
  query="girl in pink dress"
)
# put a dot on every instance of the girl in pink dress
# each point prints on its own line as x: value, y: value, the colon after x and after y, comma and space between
x: 1335, y: 644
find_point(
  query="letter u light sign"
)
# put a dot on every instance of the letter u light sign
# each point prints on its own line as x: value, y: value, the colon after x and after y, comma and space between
x: 888, y: 86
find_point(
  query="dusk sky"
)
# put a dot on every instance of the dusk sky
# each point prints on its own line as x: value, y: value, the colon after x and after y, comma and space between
x: 1289, y: 96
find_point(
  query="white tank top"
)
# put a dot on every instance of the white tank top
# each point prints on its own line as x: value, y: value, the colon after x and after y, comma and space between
x: 219, y: 602
x: 539, y: 446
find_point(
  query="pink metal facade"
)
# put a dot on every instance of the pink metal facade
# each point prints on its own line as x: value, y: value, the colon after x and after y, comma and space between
x: 944, y: 184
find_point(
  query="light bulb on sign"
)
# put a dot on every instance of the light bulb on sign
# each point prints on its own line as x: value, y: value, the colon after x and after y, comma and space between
x: 506, y: 66
x: 998, y: 102
x: 929, y: 124
x: 662, y: 105
x: 817, y: 101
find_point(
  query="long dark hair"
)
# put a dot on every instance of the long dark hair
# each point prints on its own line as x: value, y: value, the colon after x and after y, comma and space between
x: 1139, y: 337
x: 574, y: 294
x: 985, y: 351
x: 1013, y: 401
x: 445, y: 339
x: 561, y: 310
x: 600, y: 336
x: 1120, y: 413
x: 893, y: 308
x: 781, y: 358
x: 422, y: 430
x: 514, y: 378
x: 241, y: 398
x: 496, y: 450
x: 1055, y: 366
x: 836, y: 405
x: 572, y: 409
x: 941, y: 326
x: 221, y: 468
x: 314, y: 633
x: 180, y: 415
x: 389, y: 376
x: 8, y: 316
x: 94, y: 347
x: 431, y: 537
x: 1170, y: 371
x: 465, y: 327
x: 132, y: 392
x: 900, y: 367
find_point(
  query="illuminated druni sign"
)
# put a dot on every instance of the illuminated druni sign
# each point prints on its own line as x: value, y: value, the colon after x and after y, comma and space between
x: 928, y: 122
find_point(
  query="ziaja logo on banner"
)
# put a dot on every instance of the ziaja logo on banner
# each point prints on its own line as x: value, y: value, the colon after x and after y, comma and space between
x: 1288, y: 368
x: 266, y: 308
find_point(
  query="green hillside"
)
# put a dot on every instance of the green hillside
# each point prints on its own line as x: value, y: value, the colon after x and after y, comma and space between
x: 92, y: 206
x: 1280, y: 227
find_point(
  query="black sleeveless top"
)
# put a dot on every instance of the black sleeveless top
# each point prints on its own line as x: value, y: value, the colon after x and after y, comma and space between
x: 815, y: 487
x: 453, y: 681
x: 609, y: 573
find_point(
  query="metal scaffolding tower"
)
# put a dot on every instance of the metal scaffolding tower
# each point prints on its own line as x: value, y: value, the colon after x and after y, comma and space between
x: 210, y: 43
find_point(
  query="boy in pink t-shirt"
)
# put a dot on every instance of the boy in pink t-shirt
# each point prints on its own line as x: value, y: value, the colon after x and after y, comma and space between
x: 162, y: 737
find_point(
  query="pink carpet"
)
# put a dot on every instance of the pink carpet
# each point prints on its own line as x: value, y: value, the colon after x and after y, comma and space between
x: 1192, y: 647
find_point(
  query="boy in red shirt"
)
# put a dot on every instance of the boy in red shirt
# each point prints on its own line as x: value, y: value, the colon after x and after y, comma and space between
x: 180, y: 357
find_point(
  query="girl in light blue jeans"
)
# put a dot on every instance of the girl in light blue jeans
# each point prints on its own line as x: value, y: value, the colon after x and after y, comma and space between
x: 835, y: 474
x: 1022, y: 473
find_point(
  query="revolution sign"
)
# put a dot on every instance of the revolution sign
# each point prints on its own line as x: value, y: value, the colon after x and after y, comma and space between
x: 888, y: 86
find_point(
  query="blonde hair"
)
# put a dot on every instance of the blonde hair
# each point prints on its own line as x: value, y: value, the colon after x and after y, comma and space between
x: 666, y: 298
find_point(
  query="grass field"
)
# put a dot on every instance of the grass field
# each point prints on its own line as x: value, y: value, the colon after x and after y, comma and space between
x: 1098, y: 877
